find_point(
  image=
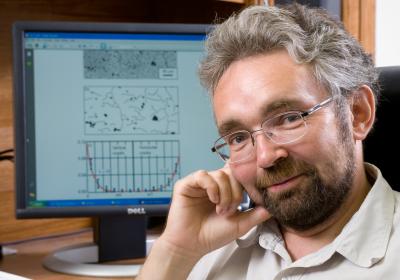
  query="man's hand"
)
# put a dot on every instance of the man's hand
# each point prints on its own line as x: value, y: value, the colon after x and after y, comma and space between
x: 203, y: 217
x: 203, y: 214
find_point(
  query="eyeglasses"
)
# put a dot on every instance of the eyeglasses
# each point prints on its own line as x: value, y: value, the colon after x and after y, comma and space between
x: 283, y: 128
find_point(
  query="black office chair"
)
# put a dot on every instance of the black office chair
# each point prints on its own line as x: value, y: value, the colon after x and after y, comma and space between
x: 382, y: 145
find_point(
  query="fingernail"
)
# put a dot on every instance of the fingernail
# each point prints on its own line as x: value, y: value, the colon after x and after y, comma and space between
x: 216, y: 199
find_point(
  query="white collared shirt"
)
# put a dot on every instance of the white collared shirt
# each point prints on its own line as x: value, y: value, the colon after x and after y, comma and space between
x: 367, y: 248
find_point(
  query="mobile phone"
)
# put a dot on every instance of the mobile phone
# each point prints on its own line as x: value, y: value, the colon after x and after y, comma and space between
x: 246, y: 203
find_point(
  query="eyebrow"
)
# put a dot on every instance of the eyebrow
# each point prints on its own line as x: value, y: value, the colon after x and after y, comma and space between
x: 229, y: 126
x: 266, y: 111
x: 281, y: 106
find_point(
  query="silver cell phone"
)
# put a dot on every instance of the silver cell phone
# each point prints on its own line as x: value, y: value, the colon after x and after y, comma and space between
x: 246, y: 203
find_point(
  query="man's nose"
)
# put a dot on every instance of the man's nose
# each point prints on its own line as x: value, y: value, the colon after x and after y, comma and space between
x: 268, y: 152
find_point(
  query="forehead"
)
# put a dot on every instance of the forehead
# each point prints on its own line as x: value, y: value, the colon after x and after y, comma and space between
x: 253, y: 87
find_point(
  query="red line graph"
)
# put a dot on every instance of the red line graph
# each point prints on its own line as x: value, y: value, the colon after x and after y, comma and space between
x: 166, y: 186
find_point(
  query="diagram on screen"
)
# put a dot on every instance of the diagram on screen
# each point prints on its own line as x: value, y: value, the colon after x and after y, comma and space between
x: 131, y: 110
x: 130, y: 64
x: 141, y: 167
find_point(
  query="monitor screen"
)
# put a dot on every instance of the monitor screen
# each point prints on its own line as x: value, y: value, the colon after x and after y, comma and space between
x: 108, y: 116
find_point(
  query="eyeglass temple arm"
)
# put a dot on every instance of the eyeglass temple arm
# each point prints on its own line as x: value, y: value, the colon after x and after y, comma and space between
x: 215, y: 148
x: 317, y: 107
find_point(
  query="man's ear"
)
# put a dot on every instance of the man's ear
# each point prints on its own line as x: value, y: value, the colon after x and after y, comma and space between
x: 363, y: 112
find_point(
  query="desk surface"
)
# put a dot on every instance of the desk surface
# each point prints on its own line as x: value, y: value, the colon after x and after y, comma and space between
x: 28, y: 260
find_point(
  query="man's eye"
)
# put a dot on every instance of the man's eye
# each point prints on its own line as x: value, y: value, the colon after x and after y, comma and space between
x: 287, y: 120
x: 290, y: 118
x: 238, y: 139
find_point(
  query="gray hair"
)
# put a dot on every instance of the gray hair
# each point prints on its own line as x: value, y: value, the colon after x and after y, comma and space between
x: 309, y: 35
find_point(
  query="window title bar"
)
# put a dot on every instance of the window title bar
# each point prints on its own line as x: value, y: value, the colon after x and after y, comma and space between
x: 115, y: 36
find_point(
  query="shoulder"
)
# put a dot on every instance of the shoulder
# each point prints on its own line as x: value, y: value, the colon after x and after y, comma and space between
x: 396, y: 218
x: 230, y: 261
x: 212, y: 261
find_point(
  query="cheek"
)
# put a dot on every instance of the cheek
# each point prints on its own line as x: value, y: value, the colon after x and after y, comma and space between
x: 246, y: 175
x: 324, y: 151
x: 320, y: 143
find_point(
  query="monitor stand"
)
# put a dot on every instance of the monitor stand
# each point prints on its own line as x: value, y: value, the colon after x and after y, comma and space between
x: 116, y: 238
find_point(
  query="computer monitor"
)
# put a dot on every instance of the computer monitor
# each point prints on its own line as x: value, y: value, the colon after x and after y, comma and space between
x: 108, y: 117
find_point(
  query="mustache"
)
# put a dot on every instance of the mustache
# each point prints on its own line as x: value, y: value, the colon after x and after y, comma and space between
x: 283, y: 170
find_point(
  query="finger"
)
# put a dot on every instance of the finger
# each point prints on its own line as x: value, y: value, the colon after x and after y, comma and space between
x: 249, y: 219
x: 237, y: 192
x: 237, y: 198
x: 225, y: 190
x: 197, y: 185
x: 203, y: 180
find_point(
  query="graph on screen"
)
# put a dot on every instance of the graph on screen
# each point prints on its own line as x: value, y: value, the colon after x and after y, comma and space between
x: 141, y: 167
x: 111, y: 110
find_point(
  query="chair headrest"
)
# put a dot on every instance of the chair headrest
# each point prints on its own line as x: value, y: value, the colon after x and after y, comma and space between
x: 381, y: 147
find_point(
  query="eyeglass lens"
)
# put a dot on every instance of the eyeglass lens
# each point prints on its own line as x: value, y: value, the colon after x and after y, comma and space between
x: 281, y: 129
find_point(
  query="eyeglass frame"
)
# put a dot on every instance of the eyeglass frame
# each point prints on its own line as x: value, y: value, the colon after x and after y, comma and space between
x: 303, y: 115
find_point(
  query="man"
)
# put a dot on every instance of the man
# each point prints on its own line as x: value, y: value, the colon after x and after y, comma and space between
x: 294, y: 97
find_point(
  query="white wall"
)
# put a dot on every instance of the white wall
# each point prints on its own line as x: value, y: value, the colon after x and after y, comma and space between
x: 387, y: 40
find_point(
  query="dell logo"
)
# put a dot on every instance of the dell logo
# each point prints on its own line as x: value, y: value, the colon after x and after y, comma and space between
x: 136, y: 211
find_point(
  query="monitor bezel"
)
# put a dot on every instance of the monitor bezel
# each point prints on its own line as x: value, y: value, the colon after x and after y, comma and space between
x: 21, y: 112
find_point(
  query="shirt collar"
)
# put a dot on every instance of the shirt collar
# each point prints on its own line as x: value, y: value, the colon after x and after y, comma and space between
x: 363, y: 240
x: 268, y: 236
x: 269, y: 230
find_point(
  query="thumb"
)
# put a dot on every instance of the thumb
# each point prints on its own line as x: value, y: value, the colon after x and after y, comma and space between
x: 251, y: 218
